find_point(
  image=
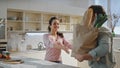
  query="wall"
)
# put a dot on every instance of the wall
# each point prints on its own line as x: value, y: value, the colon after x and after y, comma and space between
x: 15, y: 40
x: 116, y: 43
x: 18, y: 42
x: 75, y: 7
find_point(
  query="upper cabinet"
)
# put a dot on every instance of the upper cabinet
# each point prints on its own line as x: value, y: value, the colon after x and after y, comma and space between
x: 64, y: 22
x: 45, y: 20
x: 14, y: 20
x: 36, y: 21
x: 75, y: 20
x: 32, y: 21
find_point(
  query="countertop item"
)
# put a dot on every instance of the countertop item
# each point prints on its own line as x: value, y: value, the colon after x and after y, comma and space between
x: 13, y: 61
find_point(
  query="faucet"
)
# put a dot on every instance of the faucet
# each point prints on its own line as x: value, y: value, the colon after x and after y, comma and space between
x: 40, y: 46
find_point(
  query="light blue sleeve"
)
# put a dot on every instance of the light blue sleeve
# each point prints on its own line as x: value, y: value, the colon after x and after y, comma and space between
x: 102, y: 46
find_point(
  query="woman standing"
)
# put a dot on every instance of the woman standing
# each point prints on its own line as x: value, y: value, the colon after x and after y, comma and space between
x: 97, y: 56
x: 54, y: 42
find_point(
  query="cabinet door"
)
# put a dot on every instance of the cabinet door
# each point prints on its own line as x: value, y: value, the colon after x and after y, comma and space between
x: 32, y: 26
x: 32, y: 21
x: 45, y: 20
x: 75, y: 20
x: 47, y: 16
x: 64, y: 22
x: 14, y: 25
x: 14, y: 20
x: 25, y: 20
x: 64, y: 19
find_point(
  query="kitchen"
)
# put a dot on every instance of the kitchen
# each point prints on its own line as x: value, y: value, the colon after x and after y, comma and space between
x: 27, y: 37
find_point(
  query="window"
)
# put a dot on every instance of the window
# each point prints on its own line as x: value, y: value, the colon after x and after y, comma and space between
x: 114, y: 10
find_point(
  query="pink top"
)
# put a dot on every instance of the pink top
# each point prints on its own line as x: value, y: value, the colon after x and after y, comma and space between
x: 53, y: 54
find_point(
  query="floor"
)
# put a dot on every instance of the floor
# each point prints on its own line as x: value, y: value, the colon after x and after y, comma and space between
x: 67, y: 59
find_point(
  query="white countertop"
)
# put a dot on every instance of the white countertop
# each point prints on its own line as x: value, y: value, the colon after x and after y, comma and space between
x: 34, y: 63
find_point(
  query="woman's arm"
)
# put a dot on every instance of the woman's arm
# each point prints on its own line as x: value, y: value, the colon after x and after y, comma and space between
x: 59, y: 45
x: 49, y: 42
x: 101, y: 50
x: 67, y: 44
x: 103, y: 46
x: 80, y: 57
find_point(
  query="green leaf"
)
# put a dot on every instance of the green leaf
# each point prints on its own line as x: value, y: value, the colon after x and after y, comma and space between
x: 100, y: 20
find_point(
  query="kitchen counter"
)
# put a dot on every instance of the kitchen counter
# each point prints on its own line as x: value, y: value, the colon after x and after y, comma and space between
x: 34, y: 63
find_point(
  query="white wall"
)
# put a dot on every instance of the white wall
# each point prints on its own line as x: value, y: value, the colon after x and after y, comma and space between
x: 34, y: 39
x: 116, y: 43
x: 18, y: 42
x: 74, y: 7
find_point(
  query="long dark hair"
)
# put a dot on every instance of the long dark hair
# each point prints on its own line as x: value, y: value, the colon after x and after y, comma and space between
x: 97, y: 9
x: 50, y: 23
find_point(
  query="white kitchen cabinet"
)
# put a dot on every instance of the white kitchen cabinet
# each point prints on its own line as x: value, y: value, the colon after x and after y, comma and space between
x: 36, y: 21
x: 14, y: 20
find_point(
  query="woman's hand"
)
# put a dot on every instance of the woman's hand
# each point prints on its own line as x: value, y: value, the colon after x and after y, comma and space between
x: 82, y: 57
x: 79, y: 57
x: 66, y: 49
x: 59, y: 45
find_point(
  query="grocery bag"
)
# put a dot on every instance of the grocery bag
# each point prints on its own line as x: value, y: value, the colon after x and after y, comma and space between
x: 84, y: 39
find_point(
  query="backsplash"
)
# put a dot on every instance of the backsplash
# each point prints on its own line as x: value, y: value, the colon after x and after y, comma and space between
x: 18, y: 42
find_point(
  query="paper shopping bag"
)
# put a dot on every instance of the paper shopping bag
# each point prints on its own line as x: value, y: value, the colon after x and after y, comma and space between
x: 84, y: 39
